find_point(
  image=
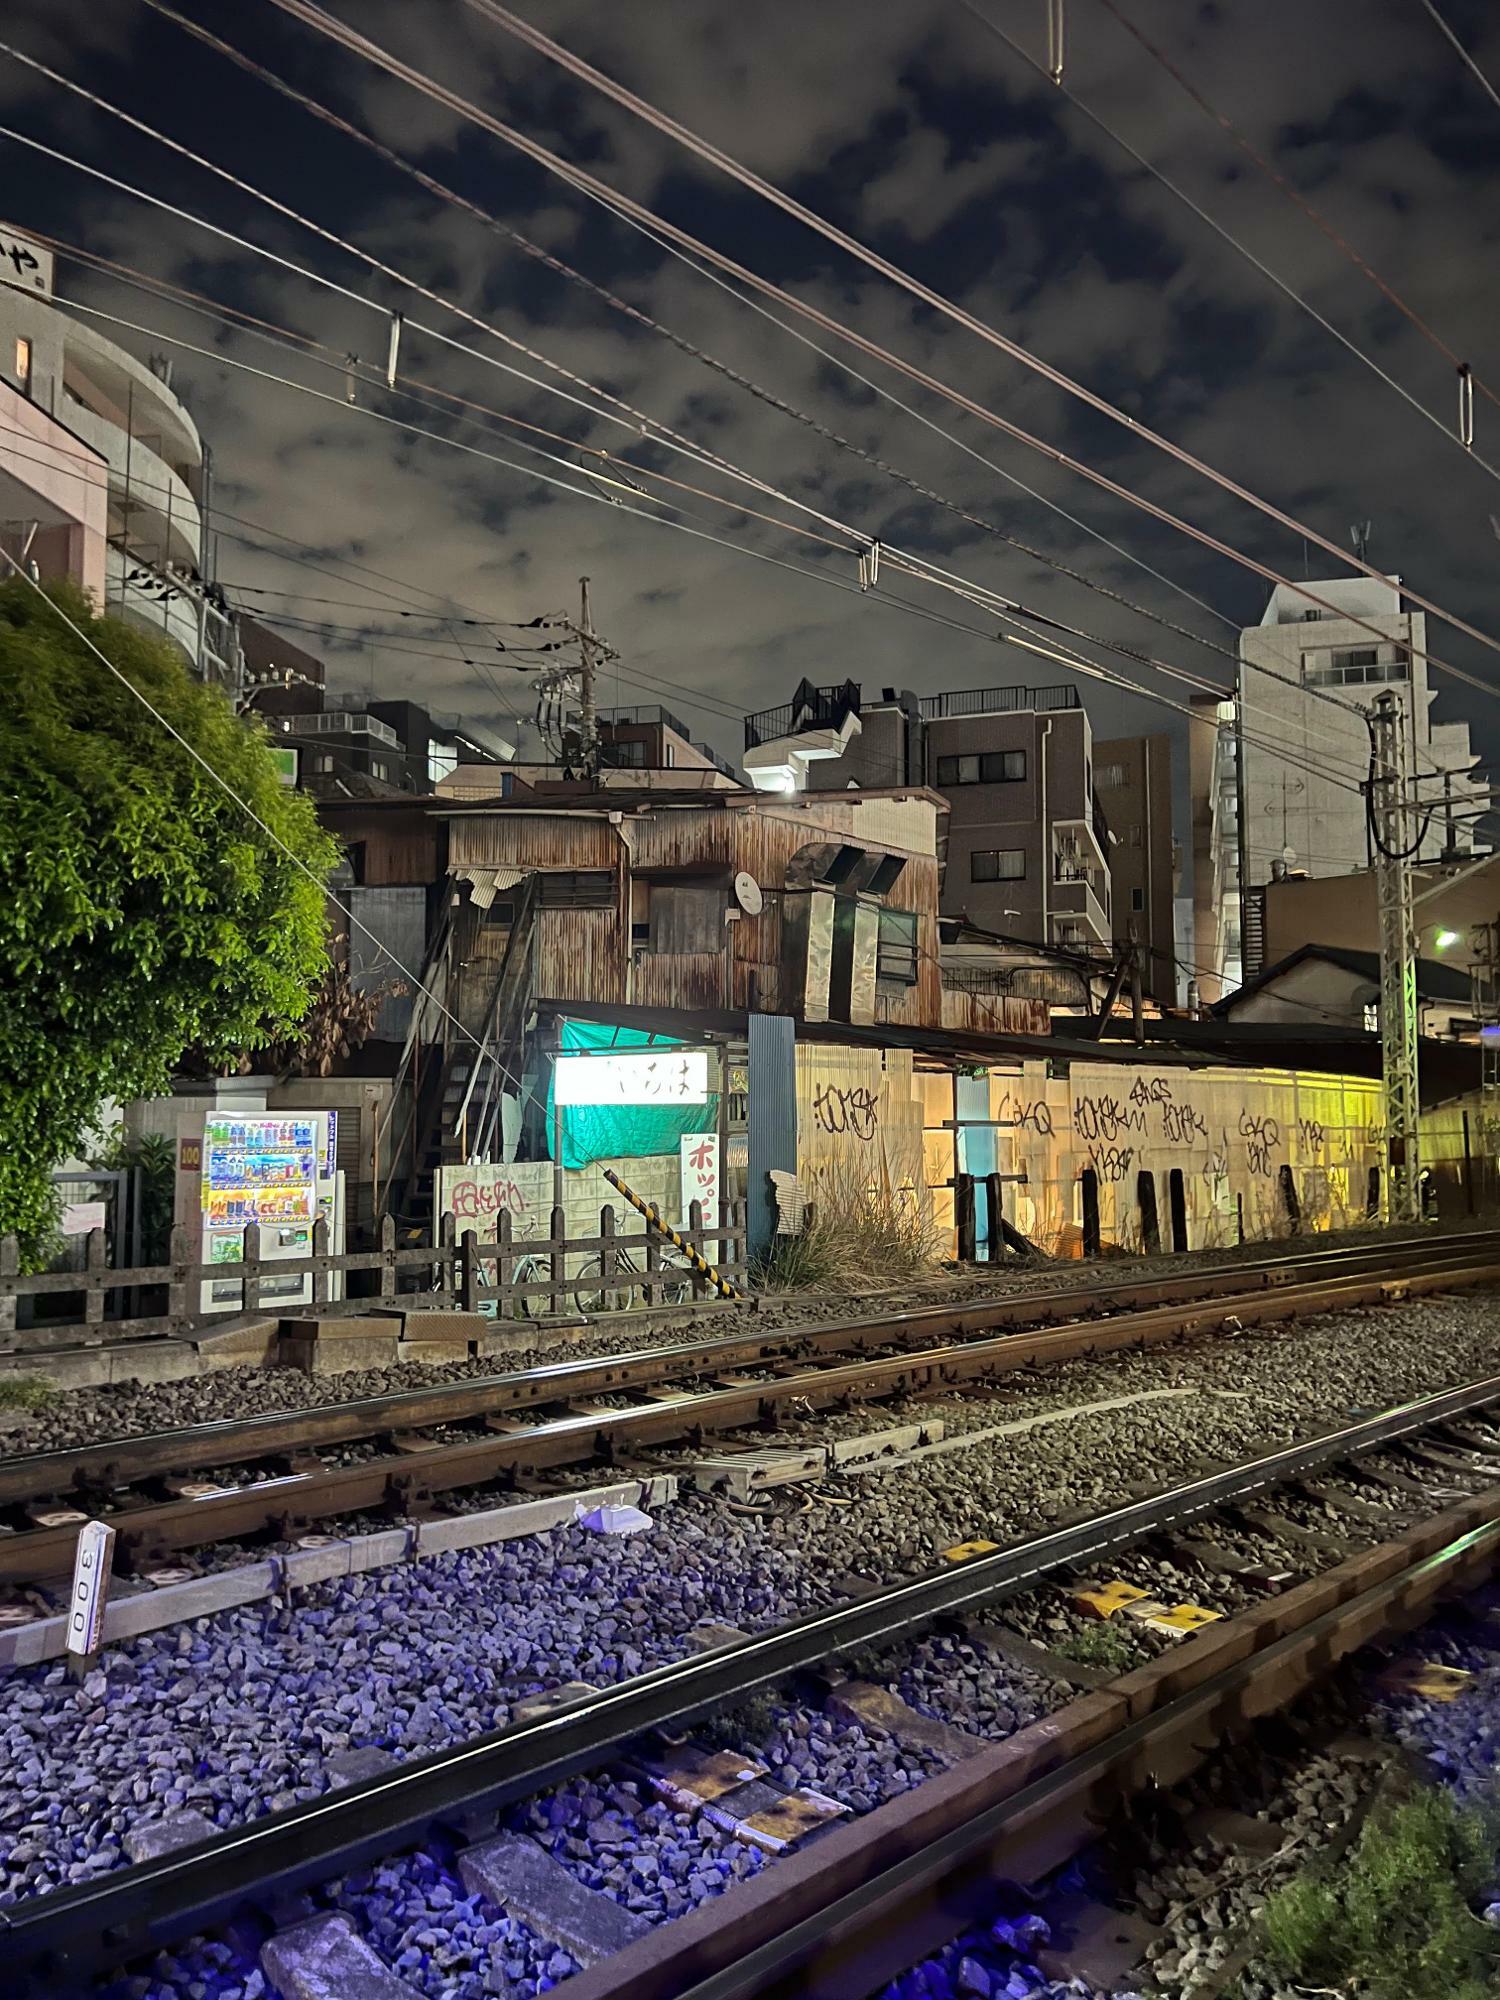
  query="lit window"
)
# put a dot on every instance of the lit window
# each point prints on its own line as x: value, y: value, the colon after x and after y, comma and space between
x: 1372, y: 1018
x: 323, y: 763
x: 377, y: 769
x: 23, y: 361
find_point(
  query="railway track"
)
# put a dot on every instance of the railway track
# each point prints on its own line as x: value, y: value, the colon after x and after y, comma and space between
x: 861, y: 1900
x: 510, y: 1430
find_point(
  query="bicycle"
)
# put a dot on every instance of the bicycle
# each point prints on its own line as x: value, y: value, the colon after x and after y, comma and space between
x: 672, y: 1280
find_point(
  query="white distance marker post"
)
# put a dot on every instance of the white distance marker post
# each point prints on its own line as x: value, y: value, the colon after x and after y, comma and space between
x: 91, y: 1569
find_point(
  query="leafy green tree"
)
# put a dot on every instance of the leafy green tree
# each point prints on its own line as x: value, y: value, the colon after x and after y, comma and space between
x: 142, y: 909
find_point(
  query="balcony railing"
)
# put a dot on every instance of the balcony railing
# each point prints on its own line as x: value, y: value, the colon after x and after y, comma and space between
x: 348, y: 722
x: 809, y: 708
x: 997, y: 701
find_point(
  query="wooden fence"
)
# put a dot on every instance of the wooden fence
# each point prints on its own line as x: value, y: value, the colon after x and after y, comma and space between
x: 520, y: 1277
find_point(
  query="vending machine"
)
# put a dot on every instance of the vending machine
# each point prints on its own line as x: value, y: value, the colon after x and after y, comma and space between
x: 277, y: 1169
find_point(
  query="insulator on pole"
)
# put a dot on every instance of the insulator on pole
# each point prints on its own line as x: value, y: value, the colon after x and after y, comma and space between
x: 1055, y: 40
x: 1465, y: 406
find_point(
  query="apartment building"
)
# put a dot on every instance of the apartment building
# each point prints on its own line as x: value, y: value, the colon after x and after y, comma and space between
x: 1133, y: 778
x: 88, y: 423
x: 1028, y: 850
x: 1277, y: 770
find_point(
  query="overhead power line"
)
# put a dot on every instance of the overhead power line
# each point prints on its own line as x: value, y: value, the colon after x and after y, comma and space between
x: 1468, y: 61
x: 989, y: 600
x: 1286, y: 290
x: 623, y: 205
x: 482, y: 1049
x: 509, y: 233
x: 349, y: 366
x: 714, y: 155
x: 1295, y: 195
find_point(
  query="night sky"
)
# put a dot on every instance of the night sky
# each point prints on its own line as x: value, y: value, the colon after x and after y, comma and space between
x: 919, y: 131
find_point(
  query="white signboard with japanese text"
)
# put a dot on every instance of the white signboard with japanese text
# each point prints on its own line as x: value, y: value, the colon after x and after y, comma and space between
x: 635, y: 1076
x: 700, y: 1175
x: 24, y: 263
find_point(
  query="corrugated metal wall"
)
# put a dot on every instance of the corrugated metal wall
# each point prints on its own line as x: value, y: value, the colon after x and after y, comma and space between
x: 388, y: 931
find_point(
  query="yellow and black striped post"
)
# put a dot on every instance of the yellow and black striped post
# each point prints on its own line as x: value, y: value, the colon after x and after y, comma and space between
x: 721, y: 1285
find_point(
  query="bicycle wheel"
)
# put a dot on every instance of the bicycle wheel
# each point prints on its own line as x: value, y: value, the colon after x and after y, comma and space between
x: 530, y: 1271
x: 598, y: 1297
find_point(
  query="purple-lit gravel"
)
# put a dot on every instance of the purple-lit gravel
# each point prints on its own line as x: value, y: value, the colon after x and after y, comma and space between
x: 201, y: 1969
x: 613, y: 1837
x: 444, y: 1943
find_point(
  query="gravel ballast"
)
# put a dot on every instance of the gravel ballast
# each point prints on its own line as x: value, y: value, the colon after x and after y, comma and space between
x: 129, y: 1409
x: 239, y: 1713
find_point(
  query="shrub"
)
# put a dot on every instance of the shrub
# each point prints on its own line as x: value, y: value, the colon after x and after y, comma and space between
x: 1395, y: 1922
x: 857, y: 1229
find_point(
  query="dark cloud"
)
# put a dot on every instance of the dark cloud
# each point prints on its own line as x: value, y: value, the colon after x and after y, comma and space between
x: 923, y: 134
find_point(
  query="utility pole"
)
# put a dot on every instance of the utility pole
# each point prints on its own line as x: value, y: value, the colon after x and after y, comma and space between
x: 588, y: 724
x: 1390, y: 821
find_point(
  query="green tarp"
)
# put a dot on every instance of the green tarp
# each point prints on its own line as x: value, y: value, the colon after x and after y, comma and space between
x: 622, y: 1131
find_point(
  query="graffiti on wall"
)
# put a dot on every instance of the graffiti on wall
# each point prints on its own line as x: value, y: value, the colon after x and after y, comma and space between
x: 1262, y: 1135
x: 1026, y: 1115
x: 1182, y: 1124
x: 479, y: 1194
x: 853, y: 1111
x: 1111, y: 1163
x: 1102, y: 1120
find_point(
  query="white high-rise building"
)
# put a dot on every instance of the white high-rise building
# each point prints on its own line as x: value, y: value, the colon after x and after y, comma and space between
x: 1293, y: 748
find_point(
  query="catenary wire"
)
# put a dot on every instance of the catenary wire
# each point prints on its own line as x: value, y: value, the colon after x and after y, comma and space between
x: 774, y: 400
x: 928, y: 571
x: 588, y: 184
x: 1468, y: 61
x: 979, y: 14
x: 705, y: 150
x: 1293, y: 194
x: 1074, y: 661
x: 257, y: 325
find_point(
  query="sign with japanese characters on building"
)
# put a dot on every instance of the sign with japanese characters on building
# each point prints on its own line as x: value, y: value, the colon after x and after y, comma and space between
x: 635, y: 1076
x: 24, y: 263
x: 700, y: 1174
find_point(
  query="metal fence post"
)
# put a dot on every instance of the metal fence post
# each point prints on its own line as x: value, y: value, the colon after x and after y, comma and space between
x: 10, y: 1270
x: 609, y: 1256
x: 388, y: 1278
x: 559, y: 1234
x: 95, y: 1258
x: 695, y: 1237
x: 505, y: 1267
x: 321, y: 1274
x: 250, y: 1255
x: 468, y: 1272
x: 178, y: 1308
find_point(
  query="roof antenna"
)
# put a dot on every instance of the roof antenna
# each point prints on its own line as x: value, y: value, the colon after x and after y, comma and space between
x: 1359, y: 536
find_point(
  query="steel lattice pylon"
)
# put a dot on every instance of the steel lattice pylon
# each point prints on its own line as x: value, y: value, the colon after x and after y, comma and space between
x: 1390, y: 827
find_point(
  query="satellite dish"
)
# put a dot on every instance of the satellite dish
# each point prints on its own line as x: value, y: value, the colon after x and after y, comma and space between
x: 747, y: 893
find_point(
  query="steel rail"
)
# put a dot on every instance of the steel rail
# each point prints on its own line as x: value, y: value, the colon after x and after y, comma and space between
x: 114, y: 1462
x: 870, y: 1934
x: 81, y: 1931
x: 406, y: 1484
